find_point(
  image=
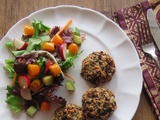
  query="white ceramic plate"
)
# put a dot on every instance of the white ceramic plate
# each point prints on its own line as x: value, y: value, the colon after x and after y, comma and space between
x: 101, y: 34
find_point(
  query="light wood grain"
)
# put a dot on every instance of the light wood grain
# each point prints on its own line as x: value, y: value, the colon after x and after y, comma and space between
x: 11, y: 11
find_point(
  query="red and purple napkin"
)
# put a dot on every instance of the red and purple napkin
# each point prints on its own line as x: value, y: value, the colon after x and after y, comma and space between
x: 131, y: 20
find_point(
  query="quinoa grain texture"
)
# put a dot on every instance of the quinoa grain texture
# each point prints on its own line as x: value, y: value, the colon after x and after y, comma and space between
x: 98, y: 104
x: 98, y: 67
x: 68, y: 112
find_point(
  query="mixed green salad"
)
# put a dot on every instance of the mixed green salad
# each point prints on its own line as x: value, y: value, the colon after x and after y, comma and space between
x: 40, y: 60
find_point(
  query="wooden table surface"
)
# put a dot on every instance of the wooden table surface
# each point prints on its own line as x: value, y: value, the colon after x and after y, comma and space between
x: 11, y: 11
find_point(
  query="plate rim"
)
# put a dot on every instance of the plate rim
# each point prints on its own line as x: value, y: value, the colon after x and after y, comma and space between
x: 88, y: 9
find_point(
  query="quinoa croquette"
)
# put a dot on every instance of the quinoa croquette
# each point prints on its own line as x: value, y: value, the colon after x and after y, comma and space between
x: 98, y: 104
x: 98, y: 67
x: 68, y: 112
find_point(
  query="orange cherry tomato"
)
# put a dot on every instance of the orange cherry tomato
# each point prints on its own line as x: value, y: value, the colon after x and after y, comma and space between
x: 73, y: 48
x: 46, y: 106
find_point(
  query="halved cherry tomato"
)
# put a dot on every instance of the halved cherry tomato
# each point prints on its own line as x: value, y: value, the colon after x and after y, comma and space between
x: 57, y: 40
x: 35, y: 85
x: 55, y: 69
x: 28, y: 30
x: 46, y: 106
x: 33, y: 70
x: 48, y: 46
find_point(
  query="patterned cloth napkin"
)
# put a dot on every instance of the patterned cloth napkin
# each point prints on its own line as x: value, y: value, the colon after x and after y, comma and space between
x: 134, y: 22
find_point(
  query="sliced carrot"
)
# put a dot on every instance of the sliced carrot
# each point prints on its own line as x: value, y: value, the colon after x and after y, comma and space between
x: 48, y: 46
x: 55, y: 69
x: 73, y: 48
x: 69, y: 77
x: 65, y: 26
x: 28, y: 30
x: 46, y: 106
x: 14, y: 79
x: 57, y: 38
x: 33, y: 70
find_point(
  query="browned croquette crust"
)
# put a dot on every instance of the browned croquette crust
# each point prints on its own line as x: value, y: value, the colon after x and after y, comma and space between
x: 98, y: 104
x: 68, y: 112
x: 98, y: 67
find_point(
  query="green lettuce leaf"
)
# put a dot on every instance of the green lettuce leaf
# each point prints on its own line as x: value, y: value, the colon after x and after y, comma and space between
x: 15, y: 103
x: 35, y: 43
x: 9, y: 44
x: 8, y: 67
x: 18, y: 53
x: 39, y: 27
x: 69, y: 62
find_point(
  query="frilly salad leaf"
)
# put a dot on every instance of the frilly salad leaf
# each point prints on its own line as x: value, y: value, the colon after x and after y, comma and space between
x: 15, y: 103
x: 21, y: 59
x: 39, y: 27
x: 8, y: 67
x: 69, y: 62
x: 34, y: 43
